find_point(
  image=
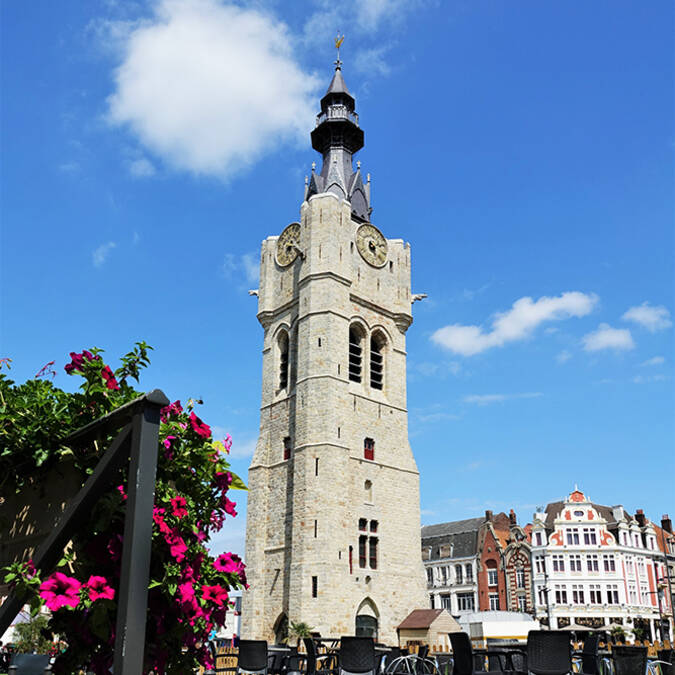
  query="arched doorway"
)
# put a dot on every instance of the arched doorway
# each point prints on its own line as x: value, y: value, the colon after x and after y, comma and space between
x: 281, y: 629
x: 367, y: 619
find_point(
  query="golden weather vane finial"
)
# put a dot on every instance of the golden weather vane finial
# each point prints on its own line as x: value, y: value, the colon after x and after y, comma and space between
x: 338, y: 43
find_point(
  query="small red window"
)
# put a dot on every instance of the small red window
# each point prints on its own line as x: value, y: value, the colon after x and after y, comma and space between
x: 362, y: 550
x: 373, y: 552
x: 369, y: 449
x: 287, y: 447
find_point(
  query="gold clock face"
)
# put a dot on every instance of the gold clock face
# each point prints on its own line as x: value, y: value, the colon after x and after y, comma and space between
x: 288, y: 244
x: 372, y: 245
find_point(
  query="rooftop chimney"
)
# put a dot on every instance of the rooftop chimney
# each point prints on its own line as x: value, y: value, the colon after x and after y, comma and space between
x: 640, y: 517
x: 512, y: 518
x: 488, y: 516
x: 666, y: 523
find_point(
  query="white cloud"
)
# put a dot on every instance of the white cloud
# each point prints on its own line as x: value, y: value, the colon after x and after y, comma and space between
x: 486, y: 399
x: 210, y: 87
x: 606, y: 337
x: 69, y: 167
x: 517, y: 323
x: 563, y: 356
x: 644, y: 379
x: 100, y: 255
x: 246, y: 266
x: 373, y: 61
x: 141, y: 168
x: 649, y: 317
x: 654, y: 361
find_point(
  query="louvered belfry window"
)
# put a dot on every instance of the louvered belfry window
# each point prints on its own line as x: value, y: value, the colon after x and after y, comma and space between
x: 376, y: 363
x: 355, y: 355
x: 283, y: 360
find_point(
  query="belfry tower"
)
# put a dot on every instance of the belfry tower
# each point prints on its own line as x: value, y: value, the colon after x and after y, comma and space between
x: 333, y: 525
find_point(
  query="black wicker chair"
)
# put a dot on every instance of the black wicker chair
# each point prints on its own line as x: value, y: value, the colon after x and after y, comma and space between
x: 549, y: 652
x: 252, y: 657
x: 30, y: 664
x: 462, y: 654
x: 666, y: 658
x: 315, y: 663
x: 629, y: 660
x: 590, y: 662
x: 357, y: 656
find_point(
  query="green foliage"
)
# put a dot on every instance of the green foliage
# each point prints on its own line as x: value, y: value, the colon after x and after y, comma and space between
x: 299, y: 630
x: 33, y: 636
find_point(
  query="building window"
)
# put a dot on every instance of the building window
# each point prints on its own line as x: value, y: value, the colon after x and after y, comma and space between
x: 372, y: 552
x: 368, y: 488
x: 373, y: 525
x: 368, y: 448
x: 458, y: 574
x: 492, y: 577
x: 539, y: 564
x: 377, y: 361
x: 363, y: 540
x: 575, y: 563
x: 430, y: 580
x: 287, y: 447
x: 446, y: 602
x: 537, y: 538
x: 561, y: 595
x: 592, y: 563
x: 315, y: 587
x: 431, y: 601
x: 612, y: 594
x: 636, y: 537
x: 577, y: 594
x: 520, y: 578
x: 594, y: 592
x: 363, y: 524
x: 465, y: 602
x: 632, y: 594
x: 573, y: 536
x: 316, y: 528
x: 494, y: 601
x: 558, y: 563
x: 283, y: 360
x: 589, y: 536
x: 469, y: 573
x: 522, y: 603
x: 625, y: 538
x: 355, y: 354
x: 541, y: 593
x: 444, y: 576
x: 608, y: 562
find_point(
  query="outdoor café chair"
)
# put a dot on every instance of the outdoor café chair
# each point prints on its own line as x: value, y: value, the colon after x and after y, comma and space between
x: 317, y: 664
x: 444, y: 664
x: 666, y: 658
x: 463, y: 657
x: 629, y: 660
x: 357, y: 656
x: 30, y: 664
x: 252, y: 657
x: 588, y: 660
x: 549, y: 652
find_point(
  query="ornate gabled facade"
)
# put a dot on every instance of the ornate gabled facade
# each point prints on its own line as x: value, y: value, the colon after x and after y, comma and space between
x: 597, y: 565
x: 332, y: 534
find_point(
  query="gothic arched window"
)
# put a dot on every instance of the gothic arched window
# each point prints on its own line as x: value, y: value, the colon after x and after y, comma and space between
x: 377, y: 344
x: 283, y: 359
x: 355, y: 353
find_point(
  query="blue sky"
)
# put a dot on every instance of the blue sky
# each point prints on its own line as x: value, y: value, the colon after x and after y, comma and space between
x: 524, y: 149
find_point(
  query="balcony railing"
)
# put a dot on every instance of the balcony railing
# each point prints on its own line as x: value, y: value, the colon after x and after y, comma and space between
x: 337, y: 112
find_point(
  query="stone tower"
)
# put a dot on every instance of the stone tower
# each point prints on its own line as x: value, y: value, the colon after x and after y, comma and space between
x: 333, y: 525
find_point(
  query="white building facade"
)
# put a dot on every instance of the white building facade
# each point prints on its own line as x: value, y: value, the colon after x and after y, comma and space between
x: 598, y: 566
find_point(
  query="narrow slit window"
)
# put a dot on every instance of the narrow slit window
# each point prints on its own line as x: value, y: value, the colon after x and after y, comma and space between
x: 355, y: 355
x: 372, y: 552
x: 376, y: 362
x: 287, y: 447
x: 315, y: 587
x: 363, y: 543
x: 316, y: 528
x: 316, y: 466
x: 369, y: 449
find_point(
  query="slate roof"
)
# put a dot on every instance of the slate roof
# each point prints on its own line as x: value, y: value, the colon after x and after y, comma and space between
x: 452, y: 527
x: 420, y: 619
x: 461, y: 534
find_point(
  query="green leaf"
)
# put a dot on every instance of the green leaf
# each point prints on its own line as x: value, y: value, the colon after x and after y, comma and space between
x: 237, y: 483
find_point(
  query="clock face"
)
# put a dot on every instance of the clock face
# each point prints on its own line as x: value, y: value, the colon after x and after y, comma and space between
x: 372, y: 245
x: 288, y: 244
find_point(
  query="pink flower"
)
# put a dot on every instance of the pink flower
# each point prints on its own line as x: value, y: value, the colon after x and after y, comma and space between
x: 59, y: 591
x: 216, y: 594
x: 168, y: 446
x: 98, y: 588
x: 177, y: 546
x: 178, y: 504
x: 230, y: 563
x: 229, y: 506
x: 222, y: 479
x: 158, y: 517
x: 186, y: 592
x: 217, y: 520
x: 173, y: 409
x: 109, y: 378
x: 77, y: 361
x: 123, y: 494
x: 202, y: 430
x: 227, y: 442
x: 29, y: 568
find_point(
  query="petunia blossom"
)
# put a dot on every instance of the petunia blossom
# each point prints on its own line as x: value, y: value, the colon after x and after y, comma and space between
x: 230, y: 563
x: 177, y: 546
x: 98, y: 589
x: 216, y: 594
x: 229, y: 505
x: 171, y: 410
x: 202, y: 430
x: 178, y: 505
x: 60, y: 591
x: 109, y: 378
